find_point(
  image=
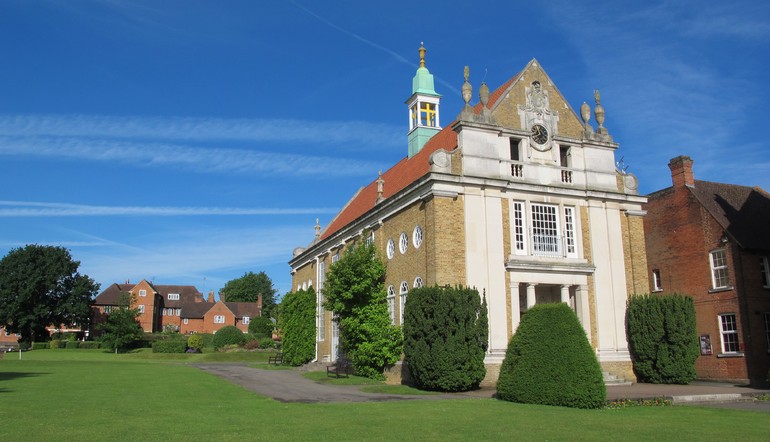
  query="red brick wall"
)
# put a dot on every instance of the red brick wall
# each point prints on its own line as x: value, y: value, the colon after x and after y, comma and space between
x: 219, y: 309
x: 680, y: 234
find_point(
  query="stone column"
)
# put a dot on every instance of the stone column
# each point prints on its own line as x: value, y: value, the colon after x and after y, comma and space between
x: 531, y: 299
x: 565, y: 294
x: 582, y: 308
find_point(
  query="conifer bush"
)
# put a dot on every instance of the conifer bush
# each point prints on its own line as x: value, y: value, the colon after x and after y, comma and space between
x: 298, y: 329
x: 549, y: 361
x: 261, y: 327
x: 445, y: 337
x: 662, y: 338
x: 228, y: 335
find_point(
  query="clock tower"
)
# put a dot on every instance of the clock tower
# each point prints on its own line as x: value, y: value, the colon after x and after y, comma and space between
x: 423, y: 108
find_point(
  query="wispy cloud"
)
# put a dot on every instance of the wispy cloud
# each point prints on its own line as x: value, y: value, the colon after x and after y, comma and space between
x: 346, y: 135
x: 208, y: 160
x: 10, y: 209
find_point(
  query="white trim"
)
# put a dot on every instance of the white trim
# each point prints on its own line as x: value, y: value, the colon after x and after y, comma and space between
x: 731, y: 321
x: 718, y: 265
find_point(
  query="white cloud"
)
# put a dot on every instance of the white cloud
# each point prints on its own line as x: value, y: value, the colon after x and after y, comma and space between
x: 10, y: 209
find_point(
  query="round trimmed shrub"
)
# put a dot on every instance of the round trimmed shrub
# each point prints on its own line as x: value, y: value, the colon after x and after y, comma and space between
x: 228, y: 335
x: 550, y: 362
x: 195, y: 342
x: 261, y: 326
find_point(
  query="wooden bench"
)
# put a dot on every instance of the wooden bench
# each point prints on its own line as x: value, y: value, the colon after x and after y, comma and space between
x: 341, y: 367
x: 277, y: 359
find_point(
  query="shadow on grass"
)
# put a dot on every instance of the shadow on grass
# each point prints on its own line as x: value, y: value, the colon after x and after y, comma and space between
x: 10, y: 375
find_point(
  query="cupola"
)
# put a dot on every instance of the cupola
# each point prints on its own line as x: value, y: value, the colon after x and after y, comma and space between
x: 423, y: 108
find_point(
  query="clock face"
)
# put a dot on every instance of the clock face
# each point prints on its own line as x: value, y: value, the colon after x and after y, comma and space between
x: 539, y: 134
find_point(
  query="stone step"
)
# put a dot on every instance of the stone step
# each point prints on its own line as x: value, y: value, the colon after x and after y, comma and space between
x: 708, y: 398
x: 612, y: 380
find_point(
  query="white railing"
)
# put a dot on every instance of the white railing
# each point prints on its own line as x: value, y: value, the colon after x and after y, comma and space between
x: 517, y: 170
x: 566, y: 176
x: 547, y: 245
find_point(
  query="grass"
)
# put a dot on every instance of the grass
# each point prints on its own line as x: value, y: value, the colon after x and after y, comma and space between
x: 85, y: 395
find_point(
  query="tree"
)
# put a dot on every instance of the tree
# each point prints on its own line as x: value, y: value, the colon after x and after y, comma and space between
x: 261, y: 327
x: 445, y: 338
x: 122, y: 328
x: 248, y: 287
x: 355, y: 292
x: 40, y: 286
x: 297, y: 326
x: 549, y: 361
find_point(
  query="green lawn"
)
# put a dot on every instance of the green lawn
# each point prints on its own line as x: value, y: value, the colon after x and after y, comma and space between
x: 73, y: 395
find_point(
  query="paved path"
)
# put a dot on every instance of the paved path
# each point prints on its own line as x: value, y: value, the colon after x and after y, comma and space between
x: 290, y: 386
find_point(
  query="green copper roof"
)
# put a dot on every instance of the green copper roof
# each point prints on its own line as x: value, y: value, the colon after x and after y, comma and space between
x: 422, y: 83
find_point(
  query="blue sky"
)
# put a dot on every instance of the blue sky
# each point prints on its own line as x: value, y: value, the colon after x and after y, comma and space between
x: 189, y: 142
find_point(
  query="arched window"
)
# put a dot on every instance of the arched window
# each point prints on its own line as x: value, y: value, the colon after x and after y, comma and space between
x: 417, y: 237
x: 402, y: 301
x: 417, y: 282
x: 403, y: 243
x: 391, y: 249
x: 392, y: 304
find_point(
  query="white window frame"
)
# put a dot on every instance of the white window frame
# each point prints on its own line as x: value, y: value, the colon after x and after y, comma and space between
x: 392, y: 304
x: 163, y: 312
x: 403, y: 292
x: 720, y: 278
x: 185, y: 321
x: 417, y: 282
x: 728, y: 332
x: 321, y: 275
x: 246, y: 319
x: 219, y: 319
x: 370, y: 239
x: 570, y: 232
x: 173, y: 296
x: 545, y: 230
x: 335, y: 258
x: 403, y: 243
x: 142, y: 292
x: 391, y: 249
x: 656, y: 284
x: 178, y: 312
x: 417, y: 237
x: 764, y: 268
x: 140, y: 307
x: 519, y: 229
x: 320, y: 317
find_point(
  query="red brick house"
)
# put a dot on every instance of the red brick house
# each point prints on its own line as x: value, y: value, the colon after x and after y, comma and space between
x: 711, y: 241
x: 180, y: 306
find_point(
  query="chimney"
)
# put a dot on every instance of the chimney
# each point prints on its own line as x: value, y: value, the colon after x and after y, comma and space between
x: 259, y: 300
x: 211, y: 296
x: 222, y: 296
x: 681, y: 171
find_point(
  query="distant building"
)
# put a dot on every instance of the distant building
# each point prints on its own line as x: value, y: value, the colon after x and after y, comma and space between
x: 711, y: 241
x: 519, y: 196
x: 179, y: 306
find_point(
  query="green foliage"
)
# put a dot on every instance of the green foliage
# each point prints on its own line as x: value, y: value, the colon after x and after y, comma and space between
x: 39, y: 345
x: 169, y: 346
x: 297, y: 325
x: 195, y: 342
x: 355, y: 291
x: 662, y: 338
x: 265, y: 343
x: 228, y: 335
x: 71, y: 345
x: 88, y: 345
x: 261, y: 326
x: 41, y: 286
x: 55, y: 343
x: 550, y: 362
x: 122, y: 329
x: 445, y: 337
x: 248, y: 287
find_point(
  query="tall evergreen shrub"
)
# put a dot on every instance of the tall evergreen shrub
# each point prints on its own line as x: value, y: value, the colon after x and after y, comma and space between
x: 228, y: 335
x: 550, y: 362
x: 445, y: 337
x: 662, y: 338
x: 297, y: 325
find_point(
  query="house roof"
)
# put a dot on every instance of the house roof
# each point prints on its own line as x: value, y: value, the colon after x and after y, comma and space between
x: 742, y: 211
x: 241, y: 309
x: 111, y: 295
x: 196, y: 309
x: 406, y: 171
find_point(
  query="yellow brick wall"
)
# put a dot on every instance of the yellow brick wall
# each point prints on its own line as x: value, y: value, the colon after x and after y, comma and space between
x: 635, y: 254
x: 446, y: 258
x: 588, y: 255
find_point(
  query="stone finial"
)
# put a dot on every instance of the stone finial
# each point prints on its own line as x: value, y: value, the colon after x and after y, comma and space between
x: 467, y: 88
x: 484, y: 95
x: 380, y: 184
x: 599, y: 112
x: 317, y: 229
x: 585, y: 112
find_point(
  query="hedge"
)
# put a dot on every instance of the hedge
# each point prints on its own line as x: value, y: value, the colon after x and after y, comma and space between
x: 71, y: 345
x: 169, y: 346
x: 55, y: 343
x: 39, y: 345
x: 445, y: 338
x: 89, y: 345
x: 261, y: 325
x: 298, y: 328
x: 662, y: 338
x: 550, y: 361
x: 228, y: 335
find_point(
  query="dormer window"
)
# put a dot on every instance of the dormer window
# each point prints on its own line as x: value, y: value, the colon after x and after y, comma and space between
x: 173, y: 296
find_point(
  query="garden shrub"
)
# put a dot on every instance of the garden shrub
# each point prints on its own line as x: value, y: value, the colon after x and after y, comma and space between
x: 90, y: 345
x: 228, y: 335
x: 266, y: 343
x: 297, y: 325
x: 208, y: 339
x: 71, y: 345
x: 251, y: 345
x: 39, y: 345
x: 261, y: 325
x: 195, y: 342
x: 550, y: 362
x: 55, y: 343
x: 169, y: 346
x: 662, y: 338
x: 445, y: 338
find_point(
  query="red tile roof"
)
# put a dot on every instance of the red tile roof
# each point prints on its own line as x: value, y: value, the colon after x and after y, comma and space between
x: 405, y: 172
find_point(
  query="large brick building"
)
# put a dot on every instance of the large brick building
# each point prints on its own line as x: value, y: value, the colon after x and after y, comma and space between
x: 518, y: 196
x: 711, y: 241
x: 181, y: 307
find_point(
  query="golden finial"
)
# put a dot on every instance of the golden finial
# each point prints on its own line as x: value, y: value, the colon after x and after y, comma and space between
x: 422, y: 54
